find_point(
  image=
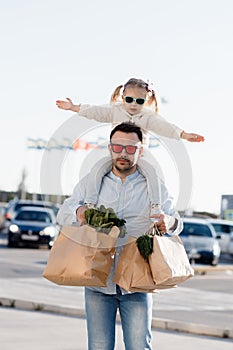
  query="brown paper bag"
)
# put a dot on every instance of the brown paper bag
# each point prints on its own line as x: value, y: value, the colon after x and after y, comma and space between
x: 169, y: 262
x: 132, y: 271
x: 81, y: 256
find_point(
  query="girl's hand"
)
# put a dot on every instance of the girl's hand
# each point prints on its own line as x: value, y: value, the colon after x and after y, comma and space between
x: 192, y: 137
x: 67, y: 105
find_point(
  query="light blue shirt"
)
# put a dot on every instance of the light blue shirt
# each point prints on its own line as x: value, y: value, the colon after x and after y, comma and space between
x: 130, y: 201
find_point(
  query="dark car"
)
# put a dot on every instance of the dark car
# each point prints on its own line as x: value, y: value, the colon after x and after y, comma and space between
x: 2, y: 216
x: 200, y: 241
x: 14, y: 206
x: 33, y: 226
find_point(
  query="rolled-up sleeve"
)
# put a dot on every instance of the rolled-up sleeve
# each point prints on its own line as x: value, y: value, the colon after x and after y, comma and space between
x: 67, y: 213
x: 172, y: 216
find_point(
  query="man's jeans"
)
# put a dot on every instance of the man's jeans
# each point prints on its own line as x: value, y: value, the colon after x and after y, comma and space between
x: 136, y: 316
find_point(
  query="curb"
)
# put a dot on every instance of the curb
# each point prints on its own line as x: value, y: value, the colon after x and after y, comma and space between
x: 209, y: 268
x: 157, y: 323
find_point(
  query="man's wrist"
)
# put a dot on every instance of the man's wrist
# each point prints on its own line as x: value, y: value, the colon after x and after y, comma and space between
x: 174, y: 227
x: 171, y: 222
x: 80, y: 206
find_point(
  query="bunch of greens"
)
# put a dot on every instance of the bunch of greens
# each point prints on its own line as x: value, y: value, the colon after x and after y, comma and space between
x: 145, y: 242
x: 145, y: 245
x: 103, y: 219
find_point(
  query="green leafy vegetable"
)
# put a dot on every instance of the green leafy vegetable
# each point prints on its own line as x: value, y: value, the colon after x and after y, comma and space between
x: 103, y: 219
x: 145, y: 245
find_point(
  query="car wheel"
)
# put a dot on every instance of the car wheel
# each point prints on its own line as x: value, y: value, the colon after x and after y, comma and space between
x: 11, y: 244
x: 214, y: 262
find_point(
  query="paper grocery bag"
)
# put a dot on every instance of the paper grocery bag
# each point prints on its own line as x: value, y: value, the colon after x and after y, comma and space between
x: 169, y: 262
x: 132, y: 271
x: 81, y: 256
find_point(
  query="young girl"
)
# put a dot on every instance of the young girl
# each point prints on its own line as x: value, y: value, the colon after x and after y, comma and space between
x: 131, y: 106
x: 129, y: 103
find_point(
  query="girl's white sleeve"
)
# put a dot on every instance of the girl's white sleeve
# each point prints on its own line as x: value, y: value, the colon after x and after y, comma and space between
x: 162, y: 127
x: 102, y: 114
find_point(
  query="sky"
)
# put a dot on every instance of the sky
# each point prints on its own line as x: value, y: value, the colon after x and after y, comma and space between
x: 51, y: 49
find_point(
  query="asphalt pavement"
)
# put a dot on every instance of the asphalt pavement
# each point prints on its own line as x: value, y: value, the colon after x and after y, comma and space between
x: 31, y: 330
x: 182, y: 309
x: 37, y: 314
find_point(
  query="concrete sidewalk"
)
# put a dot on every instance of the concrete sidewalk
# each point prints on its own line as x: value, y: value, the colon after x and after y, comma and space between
x: 172, y: 309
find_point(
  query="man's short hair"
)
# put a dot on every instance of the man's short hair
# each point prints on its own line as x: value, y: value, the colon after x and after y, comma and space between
x: 127, y: 128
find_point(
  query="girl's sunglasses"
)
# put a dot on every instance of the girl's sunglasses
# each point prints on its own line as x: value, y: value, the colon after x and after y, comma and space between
x: 139, y: 101
x: 130, y: 149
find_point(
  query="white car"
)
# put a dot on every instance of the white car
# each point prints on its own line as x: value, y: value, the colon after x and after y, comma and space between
x: 230, y: 245
x: 200, y: 241
x: 223, y: 228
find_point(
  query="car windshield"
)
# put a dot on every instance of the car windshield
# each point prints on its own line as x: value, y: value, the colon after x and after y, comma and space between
x: 31, y: 204
x: 34, y: 216
x: 223, y: 228
x: 192, y: 229
x: 20, y: 205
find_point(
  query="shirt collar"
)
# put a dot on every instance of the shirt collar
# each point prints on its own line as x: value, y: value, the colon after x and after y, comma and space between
x: 128, y: 178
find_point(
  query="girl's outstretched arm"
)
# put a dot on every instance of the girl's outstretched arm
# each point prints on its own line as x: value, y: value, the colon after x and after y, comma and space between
x: 102, y: 114
x: 68, y: 105
x: 191, y: 137
x: 162, y: 127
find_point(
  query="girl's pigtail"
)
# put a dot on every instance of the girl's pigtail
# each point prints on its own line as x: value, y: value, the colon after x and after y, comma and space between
x: 153, y: 100
x: 116, y: 94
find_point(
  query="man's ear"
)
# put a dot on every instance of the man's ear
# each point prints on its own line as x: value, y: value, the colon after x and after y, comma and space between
x: 109, y: 149
x: 140, y: 152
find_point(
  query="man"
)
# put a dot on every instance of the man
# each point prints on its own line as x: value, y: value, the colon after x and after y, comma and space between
x: 124, y: 189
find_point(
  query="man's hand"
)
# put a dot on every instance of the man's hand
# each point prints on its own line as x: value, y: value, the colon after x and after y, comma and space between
x: 67, y: 105
x: 161, y: 223
x: 80, y: 215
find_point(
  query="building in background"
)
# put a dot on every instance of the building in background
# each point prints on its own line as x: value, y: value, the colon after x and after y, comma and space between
x: 6, y: 196
x: 227, y: 207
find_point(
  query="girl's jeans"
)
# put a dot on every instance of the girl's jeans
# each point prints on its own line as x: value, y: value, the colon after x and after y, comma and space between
x: 136, y: 316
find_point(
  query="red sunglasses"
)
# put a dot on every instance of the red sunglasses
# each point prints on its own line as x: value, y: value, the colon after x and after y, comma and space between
x: 130, y: 149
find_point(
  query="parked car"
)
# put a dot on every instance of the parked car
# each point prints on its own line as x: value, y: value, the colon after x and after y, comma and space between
x: 33, y: 226
x: 230, y: 245
x: 200, y: 241
x: 2, y: 216
x: 223, y: 228
x: 14, y: 206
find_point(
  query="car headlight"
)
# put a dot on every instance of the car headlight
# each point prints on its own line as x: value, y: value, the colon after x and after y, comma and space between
x: 49, y: 231
x: 216, y: 249
x: 14, y: 228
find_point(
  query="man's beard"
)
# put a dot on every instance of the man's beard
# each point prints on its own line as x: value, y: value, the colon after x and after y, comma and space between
x: 125, y: 169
